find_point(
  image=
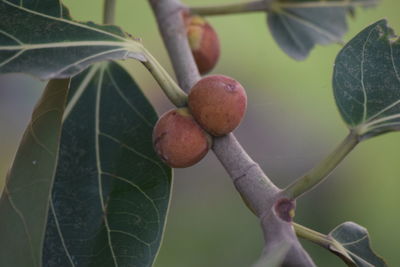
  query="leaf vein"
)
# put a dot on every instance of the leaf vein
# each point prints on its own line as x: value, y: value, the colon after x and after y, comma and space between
x: 64, y: 245
x: 98, y: 164
x: 122, y: 95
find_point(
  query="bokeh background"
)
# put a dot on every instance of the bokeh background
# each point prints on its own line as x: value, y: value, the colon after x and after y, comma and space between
x: 292, y: 122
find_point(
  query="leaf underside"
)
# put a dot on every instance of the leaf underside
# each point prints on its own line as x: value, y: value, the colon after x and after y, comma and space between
x: 111, y: 192
x: 39, y: 38
x: 366, y: 81
x: 24, y: 201
x: 355, y: 245
x: 297, y: 26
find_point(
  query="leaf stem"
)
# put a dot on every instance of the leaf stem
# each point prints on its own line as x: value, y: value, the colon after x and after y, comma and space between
x: 171, y: 89
x: 313, y: 236
x: 316, y: 175
x: 324, y: 241
x: 109, y: 11
x: 233, y: 8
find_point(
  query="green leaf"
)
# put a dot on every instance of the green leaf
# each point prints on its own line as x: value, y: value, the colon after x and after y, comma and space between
x: 366, y: 81
x: 298, y: 25
x: 111, y: 192
x: 53, y: 8
x: 24, y: 202
x: 353, y: 246
x: 44, y: 42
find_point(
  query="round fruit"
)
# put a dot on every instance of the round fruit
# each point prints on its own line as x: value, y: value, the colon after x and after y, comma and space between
x: 218, y: 104
x: 178, y: 140
x: 204, y: 43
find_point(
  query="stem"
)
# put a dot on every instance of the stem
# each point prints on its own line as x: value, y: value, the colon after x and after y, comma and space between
x: 171, y: 89
x: 109, y: 11
x: 234, y: 8
x: 313, y: 236
x: 323, y: 169
x: 324, y: 241
x: 253, y: 185
x: 312, y: 4
x: 266, y: 5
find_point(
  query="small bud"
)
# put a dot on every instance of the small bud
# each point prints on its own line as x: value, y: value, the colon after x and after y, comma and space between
x: 285, y: 209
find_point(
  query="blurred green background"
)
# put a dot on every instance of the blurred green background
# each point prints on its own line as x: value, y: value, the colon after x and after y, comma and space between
x: 292, y: 122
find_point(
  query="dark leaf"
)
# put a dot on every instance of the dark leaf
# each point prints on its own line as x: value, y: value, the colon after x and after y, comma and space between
x: 298, y: 25
x: 25, y: 200
x: 353, y: 246
x: 111, y: 191
x: 41, y: 40
x: 366, y: 81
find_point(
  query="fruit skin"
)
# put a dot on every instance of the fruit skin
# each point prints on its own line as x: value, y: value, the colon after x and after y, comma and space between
x: 204, y: 43
x: 218, y: 103
x: 178, y: 139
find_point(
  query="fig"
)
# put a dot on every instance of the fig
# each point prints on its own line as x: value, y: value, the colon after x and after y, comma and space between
x: 203, y: 41
x: 218, y: 103
x: 179, y: 140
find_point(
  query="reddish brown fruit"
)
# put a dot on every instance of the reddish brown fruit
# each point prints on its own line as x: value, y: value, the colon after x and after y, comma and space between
x: 203, y: 41
x: 218, y: 104
x: 179, y: 140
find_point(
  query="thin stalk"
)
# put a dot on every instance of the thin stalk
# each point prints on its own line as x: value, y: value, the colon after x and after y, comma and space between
x: 323, y: 169
x: 313, y: 236
x: 263, y: 5
x: 324, y: 241
x: 234, y: 8
x: 109, y: 11
x: 171, y: 89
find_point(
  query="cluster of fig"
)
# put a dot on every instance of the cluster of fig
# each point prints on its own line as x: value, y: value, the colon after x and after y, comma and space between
x: 216, y: 104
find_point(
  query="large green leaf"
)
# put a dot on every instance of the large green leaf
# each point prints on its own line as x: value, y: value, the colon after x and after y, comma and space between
x: 25, y: 200
x: 353, y: 246
x: 298, y: 25
x: 366, y: 81
x: 111, y: 191
x: 39, y: 38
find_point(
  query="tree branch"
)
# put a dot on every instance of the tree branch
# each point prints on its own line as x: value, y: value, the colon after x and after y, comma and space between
x: 258, y: 192
x: 268, y: 5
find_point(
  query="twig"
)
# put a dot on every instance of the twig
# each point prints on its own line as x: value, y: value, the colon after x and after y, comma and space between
x: 321, y: 171
x: 109, y: 11
x: 232, y: 8
x: 256, y: 189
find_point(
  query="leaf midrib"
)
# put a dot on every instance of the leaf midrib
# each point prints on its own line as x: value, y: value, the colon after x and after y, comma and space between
x: 66, y: 21
x: 126, y: 44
